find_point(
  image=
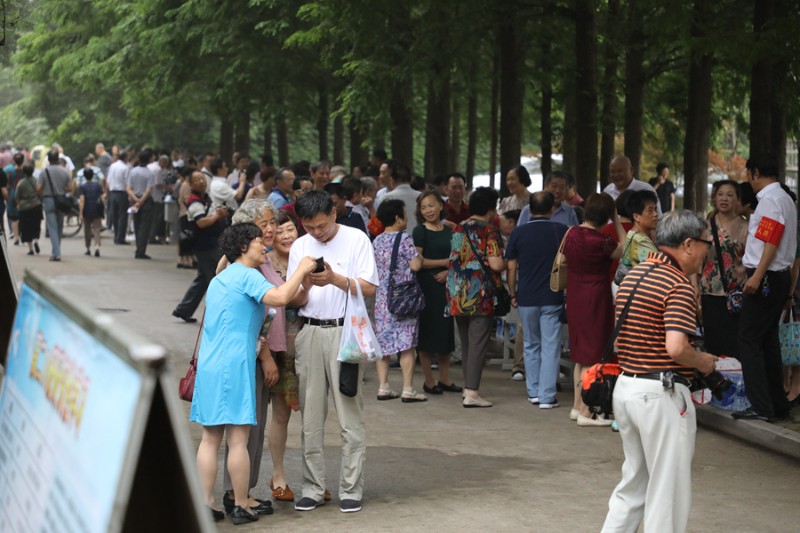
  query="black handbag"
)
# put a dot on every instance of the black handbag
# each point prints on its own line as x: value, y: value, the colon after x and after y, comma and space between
x: 405, y: 298
x: 63, y: 203
x: 502, y: 300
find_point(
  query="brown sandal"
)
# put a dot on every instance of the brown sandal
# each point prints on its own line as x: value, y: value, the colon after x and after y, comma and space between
x: 283, y: 494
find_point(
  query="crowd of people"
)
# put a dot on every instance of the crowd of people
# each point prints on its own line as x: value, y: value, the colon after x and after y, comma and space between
x: 277, y: 250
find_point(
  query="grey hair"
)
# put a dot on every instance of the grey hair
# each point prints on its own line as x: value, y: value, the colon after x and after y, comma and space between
x: 369, y: 183
x: 251, y: 209
x: 677, y: 226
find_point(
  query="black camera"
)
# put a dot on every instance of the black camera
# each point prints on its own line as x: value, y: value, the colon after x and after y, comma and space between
x: 715, y: 382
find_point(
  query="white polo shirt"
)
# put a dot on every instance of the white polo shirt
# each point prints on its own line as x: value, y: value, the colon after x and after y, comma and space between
x: 775, y: 221
x: 349, y: 253
x: 635, y: 185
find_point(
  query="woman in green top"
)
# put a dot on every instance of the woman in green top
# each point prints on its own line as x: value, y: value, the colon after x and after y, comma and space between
x: 643, y: 207
x: 29, y: 206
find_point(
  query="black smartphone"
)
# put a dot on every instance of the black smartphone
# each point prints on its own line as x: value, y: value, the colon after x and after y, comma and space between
x: 320, y: 265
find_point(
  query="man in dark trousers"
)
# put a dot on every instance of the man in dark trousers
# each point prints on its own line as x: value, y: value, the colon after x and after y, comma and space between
x: 768, y: 257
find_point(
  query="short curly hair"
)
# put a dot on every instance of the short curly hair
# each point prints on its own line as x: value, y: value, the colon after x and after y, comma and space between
x: 236, y: 238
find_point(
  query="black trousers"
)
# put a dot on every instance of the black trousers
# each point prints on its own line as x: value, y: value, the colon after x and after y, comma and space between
x: 718, y: 325
x: 760, y: 347
x: 118, y: 214
x: 142, y: 221
x: 206, y: 270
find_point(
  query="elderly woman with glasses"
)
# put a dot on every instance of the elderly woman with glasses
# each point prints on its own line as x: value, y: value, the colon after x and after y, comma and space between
x: 224, y: 401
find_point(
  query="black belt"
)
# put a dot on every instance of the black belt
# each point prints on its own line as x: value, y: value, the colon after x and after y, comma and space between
x: 660, y: 377
x: 750, y: 271
x: 325, y: 322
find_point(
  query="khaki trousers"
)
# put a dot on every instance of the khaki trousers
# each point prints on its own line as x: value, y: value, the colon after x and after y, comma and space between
x: 318, y: 370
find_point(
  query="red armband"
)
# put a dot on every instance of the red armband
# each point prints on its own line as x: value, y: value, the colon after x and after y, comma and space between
x: 770, y: 231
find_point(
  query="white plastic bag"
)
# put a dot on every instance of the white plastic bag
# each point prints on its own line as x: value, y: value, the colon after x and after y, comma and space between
x: 359, y: 343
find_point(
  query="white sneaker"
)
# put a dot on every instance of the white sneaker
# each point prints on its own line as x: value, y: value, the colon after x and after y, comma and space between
x: 517, y: 376
x: 551, y: 405
x: 573, y: 414
x: 534, y: 400
x: 585, y: 421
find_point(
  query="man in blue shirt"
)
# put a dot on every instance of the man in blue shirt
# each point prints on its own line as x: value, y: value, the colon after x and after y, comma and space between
x: 530, y: 252
x: 555, y: 183
x: 282, y: 194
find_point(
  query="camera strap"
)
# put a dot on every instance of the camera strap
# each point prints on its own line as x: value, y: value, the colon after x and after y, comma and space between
x: 624, y: 314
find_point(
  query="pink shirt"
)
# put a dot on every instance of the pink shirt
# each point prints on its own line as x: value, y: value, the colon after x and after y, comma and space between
x: 277, y: 331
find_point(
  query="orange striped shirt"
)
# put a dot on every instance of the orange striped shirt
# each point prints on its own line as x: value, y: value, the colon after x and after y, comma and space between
x: 664, y: 301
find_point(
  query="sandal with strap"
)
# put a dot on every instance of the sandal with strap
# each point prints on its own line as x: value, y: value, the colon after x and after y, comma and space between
x: 384, y: 395
x: 413, y: 396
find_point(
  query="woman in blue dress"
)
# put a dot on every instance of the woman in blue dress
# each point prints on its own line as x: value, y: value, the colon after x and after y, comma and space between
x: 224, y: 391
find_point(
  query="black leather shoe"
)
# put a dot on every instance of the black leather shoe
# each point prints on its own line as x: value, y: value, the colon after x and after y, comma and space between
x: 264, y: 507
x: 748, y: 414
x: 436, y: 389
x: 450, y: 388
x: 240, y: 516
x: 216, y: 515
x: 188, y: 320
x: 227, y: 502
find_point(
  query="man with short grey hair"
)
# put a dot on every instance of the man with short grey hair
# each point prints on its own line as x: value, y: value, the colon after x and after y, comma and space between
x: 54, y: 181
x: 652, y: 402
x: 141, y: 182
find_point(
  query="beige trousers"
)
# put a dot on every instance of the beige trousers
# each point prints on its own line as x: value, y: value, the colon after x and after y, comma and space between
x: 318, y: 370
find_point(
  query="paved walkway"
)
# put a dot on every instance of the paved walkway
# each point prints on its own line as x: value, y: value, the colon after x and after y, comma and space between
x: 437, y: 466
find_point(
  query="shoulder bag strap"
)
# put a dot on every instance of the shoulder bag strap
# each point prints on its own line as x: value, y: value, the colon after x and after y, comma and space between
x: 197, y: 342
x: 486, y: 269
x: 624, y: 314
x: 395, y: 250
x: 563, y: 240
x: 52, y: 190
x: 718, y: 250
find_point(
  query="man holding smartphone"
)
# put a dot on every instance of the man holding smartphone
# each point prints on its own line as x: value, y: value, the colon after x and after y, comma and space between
x: 346, y: 257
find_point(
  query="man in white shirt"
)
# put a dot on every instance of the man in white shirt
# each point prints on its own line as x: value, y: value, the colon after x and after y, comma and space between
x: 621, y: 176
x: 400, y: 181
x: 349, y: 258
x: 117, y: 181
x: 219, y: 191
x: 385, y: 174
x: 768, y: 256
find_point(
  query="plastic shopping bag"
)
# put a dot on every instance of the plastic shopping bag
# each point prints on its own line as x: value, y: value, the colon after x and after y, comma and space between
x: 790, y: 341
x: 359, y: 343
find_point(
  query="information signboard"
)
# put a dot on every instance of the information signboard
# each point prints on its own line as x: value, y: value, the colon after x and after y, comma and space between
x: 79, y: 405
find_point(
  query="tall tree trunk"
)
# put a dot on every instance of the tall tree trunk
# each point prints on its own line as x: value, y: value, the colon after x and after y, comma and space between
x: 472, y: 133
x: 455, y: 136
x: 241, y: 141
x: 608, y: 120
x: 586, y: 96
x: 546, y: 125
x: 268, y: 136
x: 402, y: 123
x: 634, y: 86
x: 359, y: 156
x: 511, y: 99
x: 761, y: 81
x: 283, y: 139
x: 322, y: 122
x: 493, y: 116
x: 437, y: 128
x: 698, y: 118
x: 338, y: 141
x: 226, y: 138
x: 569, y: 145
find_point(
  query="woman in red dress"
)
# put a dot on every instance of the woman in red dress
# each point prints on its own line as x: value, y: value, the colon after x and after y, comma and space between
x: 590, y: 306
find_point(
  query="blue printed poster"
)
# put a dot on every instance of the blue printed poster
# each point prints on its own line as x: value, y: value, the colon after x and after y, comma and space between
x: 66, y: 409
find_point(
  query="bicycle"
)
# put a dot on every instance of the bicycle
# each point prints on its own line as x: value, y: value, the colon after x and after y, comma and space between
x: 72, y: 221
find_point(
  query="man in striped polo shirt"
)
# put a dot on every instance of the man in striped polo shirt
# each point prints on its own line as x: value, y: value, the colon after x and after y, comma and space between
x: 652, y: 402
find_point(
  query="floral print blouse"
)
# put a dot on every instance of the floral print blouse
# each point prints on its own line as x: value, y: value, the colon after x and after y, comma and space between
x: 468, y: 290
x: 731, y: 240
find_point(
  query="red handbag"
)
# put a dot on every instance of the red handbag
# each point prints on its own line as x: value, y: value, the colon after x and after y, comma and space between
x: 186, y: 386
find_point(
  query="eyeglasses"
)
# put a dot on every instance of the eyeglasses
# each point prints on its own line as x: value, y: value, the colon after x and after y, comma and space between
x: 707, y: 241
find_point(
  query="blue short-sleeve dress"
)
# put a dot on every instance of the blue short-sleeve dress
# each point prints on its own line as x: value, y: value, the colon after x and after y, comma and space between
x: 225, y: 388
